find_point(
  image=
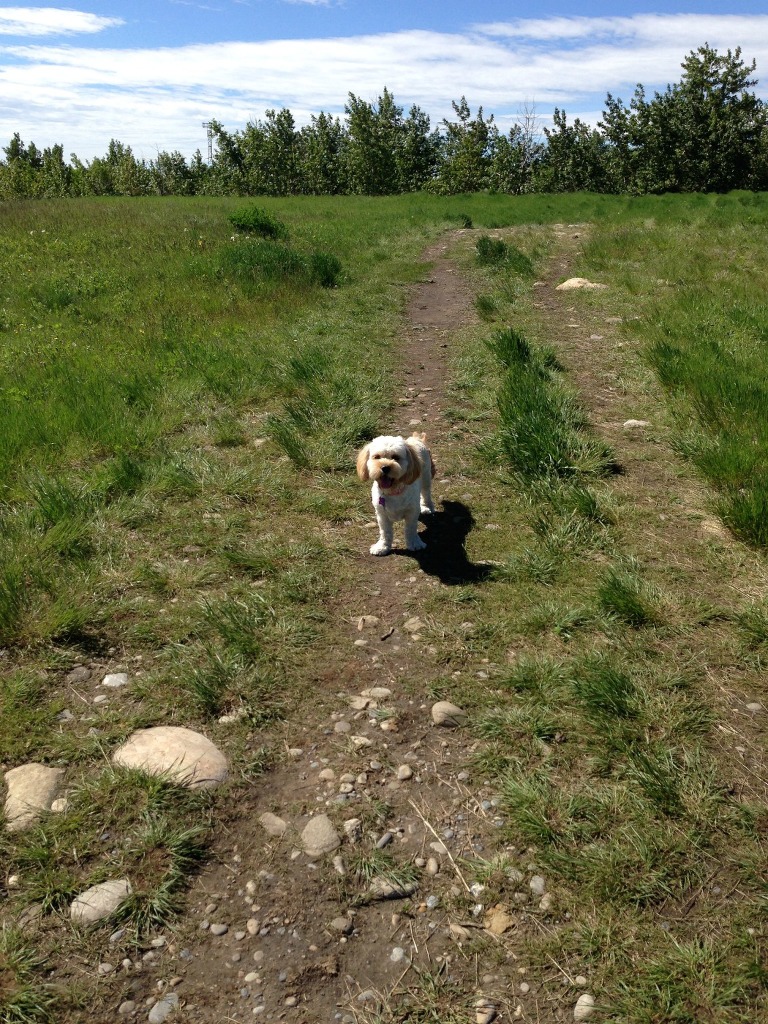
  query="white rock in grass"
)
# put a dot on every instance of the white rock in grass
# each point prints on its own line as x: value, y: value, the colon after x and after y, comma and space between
x: 99, y: 901
x: 320, y: 837
x: 636, y: 424
x: 184, y: 756
x: 578, y: 282
x: 115, y: 680
x: 447, y: 714
x: 585, y: 1004
x: 32, y: 788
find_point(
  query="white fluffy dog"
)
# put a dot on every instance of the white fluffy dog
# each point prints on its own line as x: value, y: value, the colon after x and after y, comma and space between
x: 402, y: 472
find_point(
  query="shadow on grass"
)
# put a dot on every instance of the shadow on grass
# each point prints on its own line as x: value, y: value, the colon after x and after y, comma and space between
x: 445, y: 556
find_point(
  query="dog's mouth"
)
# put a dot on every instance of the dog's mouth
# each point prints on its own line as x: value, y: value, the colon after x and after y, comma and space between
x: 386, y: 481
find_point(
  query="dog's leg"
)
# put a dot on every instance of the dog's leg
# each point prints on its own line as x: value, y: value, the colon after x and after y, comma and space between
x: 427, y: 505
x: 413, y: 541
x: 383, y: 545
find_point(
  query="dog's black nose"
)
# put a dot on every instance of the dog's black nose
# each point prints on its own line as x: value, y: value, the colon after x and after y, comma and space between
x: 385, y: 470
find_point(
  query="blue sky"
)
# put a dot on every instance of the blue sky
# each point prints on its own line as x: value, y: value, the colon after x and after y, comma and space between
x: 149, y: 72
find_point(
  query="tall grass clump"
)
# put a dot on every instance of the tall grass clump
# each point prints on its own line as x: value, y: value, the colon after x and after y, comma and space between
x: 495, y: 252
x: 543, y: 432
x: 256, y: 221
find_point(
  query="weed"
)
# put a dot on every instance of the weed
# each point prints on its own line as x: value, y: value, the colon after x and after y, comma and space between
x: 622, y: 595
x: 24, y: 996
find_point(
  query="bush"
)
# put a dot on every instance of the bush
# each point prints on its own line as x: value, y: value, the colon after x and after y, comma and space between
x: 490, y: 251
x: 254, y: 259
x: 255, y: 221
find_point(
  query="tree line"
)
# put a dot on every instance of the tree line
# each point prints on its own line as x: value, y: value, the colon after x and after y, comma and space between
x: 706, y: 133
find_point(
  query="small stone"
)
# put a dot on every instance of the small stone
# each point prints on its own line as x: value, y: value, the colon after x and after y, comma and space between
x: 273, y: 825
x: 498, y: 921
x: 339, y: 866
x: 404, y: 772
x: 105, y: 968
x: 448, y: 715
x: 115, y: 680
x: 99, y: 901
x: 383, y: 889
x: 163, y: 1008
x: 397, y: 955
x: 126, y: 1008
x: 361, y: 741
x: 219, y: 929
x: 585, y: 1004
x: 32, y: 788
x: 377, y: 692
x: 342, y: 727
x: 754, y: 706
x: 538, y: 885
x: 359, y: 703
x: 252, y: 926
x: 438, y: 847
x: 100, y: 698
x: 433, y: 866
x: 636, y: 424
x: 327, y: 775
x: 485, y: 1011
x: 353, y: 829
x: 385, y: 840
x: 343, y: 925
x: 60, y: 806
x: 319, y: 836
x: 580, y: 981
x: 546, y: 903
x: 291, y: 1001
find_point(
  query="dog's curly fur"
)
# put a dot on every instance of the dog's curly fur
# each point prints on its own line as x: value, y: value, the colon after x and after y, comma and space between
x: 401, y: 470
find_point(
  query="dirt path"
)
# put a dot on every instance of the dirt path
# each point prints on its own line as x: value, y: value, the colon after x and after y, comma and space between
x: 305, y: 938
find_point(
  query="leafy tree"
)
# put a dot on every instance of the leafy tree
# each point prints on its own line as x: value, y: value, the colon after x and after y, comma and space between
x: 171, y: 175
x: 705, y: 133
x: 322, y: 166
x: 574, y: 159
x: 374, y: 137
x: 466, y: 153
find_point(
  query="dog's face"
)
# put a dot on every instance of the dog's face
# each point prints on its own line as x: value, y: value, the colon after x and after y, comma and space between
x: 388, y: 461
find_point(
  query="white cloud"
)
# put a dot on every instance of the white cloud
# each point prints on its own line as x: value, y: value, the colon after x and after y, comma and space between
x: 49, y: 21
x: 158, y: 98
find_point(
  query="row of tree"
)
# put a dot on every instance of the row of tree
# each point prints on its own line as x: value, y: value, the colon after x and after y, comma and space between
x: 708, y: 132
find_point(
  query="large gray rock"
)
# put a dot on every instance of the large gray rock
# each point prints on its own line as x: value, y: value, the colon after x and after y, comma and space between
x: 186, y: 757
x: 32, y: 788
x: 320, y: 837
x: 99, y: 901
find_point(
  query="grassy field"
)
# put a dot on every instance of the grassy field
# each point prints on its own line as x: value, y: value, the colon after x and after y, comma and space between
x: 180, y: 404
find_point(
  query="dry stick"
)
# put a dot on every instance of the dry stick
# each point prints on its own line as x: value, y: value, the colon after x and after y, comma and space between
x: 448, y: 852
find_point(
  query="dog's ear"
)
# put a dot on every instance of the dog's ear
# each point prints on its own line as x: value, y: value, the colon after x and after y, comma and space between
x: 362, y: 463
x: 413, y: 472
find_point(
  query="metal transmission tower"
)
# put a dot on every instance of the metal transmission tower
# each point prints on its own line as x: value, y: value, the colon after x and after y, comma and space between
x: 209, y: 132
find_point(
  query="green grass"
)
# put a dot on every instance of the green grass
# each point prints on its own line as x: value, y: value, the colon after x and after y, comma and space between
x: 193, y: 514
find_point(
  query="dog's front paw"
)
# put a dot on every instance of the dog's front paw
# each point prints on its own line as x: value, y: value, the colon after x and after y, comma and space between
x: 380, y: 548
x: 417, y: 544
x: 427, y: 510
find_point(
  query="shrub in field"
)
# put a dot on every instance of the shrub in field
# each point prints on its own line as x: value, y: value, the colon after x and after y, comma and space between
x: 255, y: 259
x: 491, y: 251
x: 255, y: 221
x: 495, y: 252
